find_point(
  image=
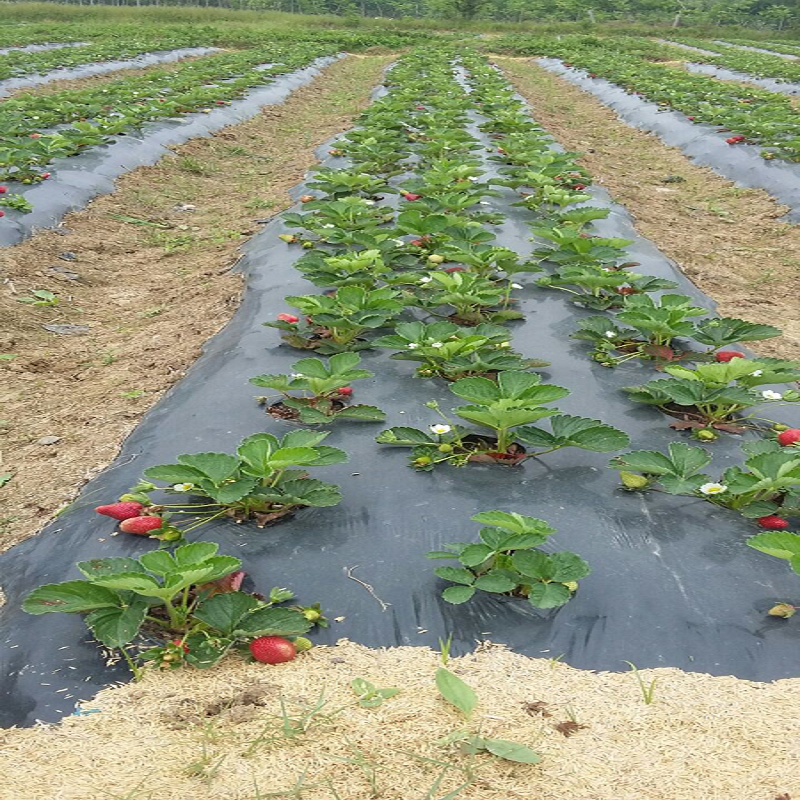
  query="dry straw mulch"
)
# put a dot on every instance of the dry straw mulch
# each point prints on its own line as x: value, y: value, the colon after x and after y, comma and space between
x: 187, y: 734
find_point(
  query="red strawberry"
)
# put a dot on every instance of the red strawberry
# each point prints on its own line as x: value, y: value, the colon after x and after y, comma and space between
x: 272, y: 650
x: 410, y: 196
x: 3, y: 189
x: 2, y: 213
x: 346, y: 390
x: 141, y: 525
x: 288, y: 318
x: 455, y: 269
x: 691, y: 119
x: 182, y: 645
x: 791, y: 436
x: 121, y: 511
x: 420, y: 108
x: 44, y: 176
x: 726, y: 355
x: 773, y: 523
x: 416, y: 242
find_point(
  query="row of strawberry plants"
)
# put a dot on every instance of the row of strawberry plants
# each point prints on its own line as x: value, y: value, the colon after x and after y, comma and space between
x: 377, y: 273
x: 752, y: 115
x: 719, y: 394
x: 17, y: 63
x: 412, y: 143
x: 35, y: 130
x: 751, y: 63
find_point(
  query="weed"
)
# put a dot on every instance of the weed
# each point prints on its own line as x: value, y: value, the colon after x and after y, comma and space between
x: 133, y: 394
x: 648, y: 690
x: 40, y: 297
x: 193, y: 166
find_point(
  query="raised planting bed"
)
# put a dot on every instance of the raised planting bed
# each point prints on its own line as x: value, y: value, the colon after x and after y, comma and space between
x: 446, y: 178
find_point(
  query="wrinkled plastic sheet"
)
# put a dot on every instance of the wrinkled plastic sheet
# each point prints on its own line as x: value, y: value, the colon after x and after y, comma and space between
x: 770, y: 84
x: 75, y: 180
x: 742, y: 163
x: 11, y: 85
x: 787, y: 56
x: 36, y: 48
x: 673, y: 583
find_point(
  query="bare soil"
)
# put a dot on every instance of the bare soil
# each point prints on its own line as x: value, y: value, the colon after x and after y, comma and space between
x: 153, y: 283
x: 729, y: 241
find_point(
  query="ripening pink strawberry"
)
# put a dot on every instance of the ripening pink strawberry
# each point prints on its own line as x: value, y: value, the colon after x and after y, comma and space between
x: 120, y: 511
x: 44, y: 176
x: 141, y: 526
x: 290, y: 318
x: 410, y: 196
x: 724, y: 356
x: 773, y: 523
x: 691, y: 119
x: 789, y: 437
x: 36, y: 136
x: 455, y: 269
x: 2, y: 213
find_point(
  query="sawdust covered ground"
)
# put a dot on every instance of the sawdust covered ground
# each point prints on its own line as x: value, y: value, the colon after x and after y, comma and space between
x: 223, y: 734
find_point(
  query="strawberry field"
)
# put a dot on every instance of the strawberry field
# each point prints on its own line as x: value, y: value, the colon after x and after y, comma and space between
x: 462, y: 399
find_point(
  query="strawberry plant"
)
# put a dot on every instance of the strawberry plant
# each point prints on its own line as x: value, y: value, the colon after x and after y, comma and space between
x: 325, y: 390
x: 472, y: 298
x: 768, y: 483
x: 336, y: 220
x: 365, y: 268
x: 448, y: 351
x: 508, y: 561
x: 601, y: 288
x: 258, y: 482
x: 337, y: 321
x: 506, y: 407
x: 181, y: 598
x: 715, y: 395
x: 570, y: 247
x: 340, y: 183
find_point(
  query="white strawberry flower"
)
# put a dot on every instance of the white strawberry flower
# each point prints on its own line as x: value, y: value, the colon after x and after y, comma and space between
x: 713, y: 488
x: 440, y: 429
x: 329, y: 226
x: 610, y: 335
x: 426, y: 279
x: 516, y: 285
x: 503, y: 344
x: 768, y: 394
x: 483, y: 203
x: 758, y: 373
x: 183, y: 487
x: 296, y: 375
x: 472, y: 178
x: 370, y: 202
x: 398, y: 242
x: 412, y: 345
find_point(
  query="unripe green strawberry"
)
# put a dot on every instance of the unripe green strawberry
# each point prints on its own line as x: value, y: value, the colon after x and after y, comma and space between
x: 633, y: 481
x: 135, y: 497
x: 301, y: 644
x: 445, y: 448
x: 705, y: 435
